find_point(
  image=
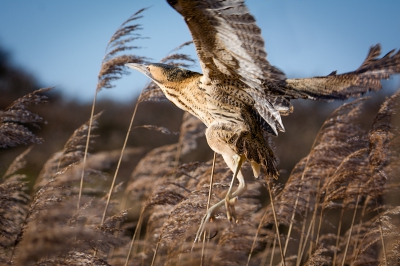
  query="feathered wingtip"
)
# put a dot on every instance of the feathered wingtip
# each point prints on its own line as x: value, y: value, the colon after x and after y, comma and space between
x: 389, y: 64
x: 351, y: 84
x: 373, y: 53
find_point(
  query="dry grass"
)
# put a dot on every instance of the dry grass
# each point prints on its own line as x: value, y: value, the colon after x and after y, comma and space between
x: 340, y: 205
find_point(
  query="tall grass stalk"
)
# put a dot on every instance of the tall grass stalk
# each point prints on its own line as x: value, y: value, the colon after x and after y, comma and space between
x: 119, y: 162
x: 273, y: 249
x: 271, y: 197
x: 313, y: 224
x: 296, y: 202
x: 208, y: 206
x: 381, y: 233
x: 338, y: 235
x: 307, y: 238
x: 350, y: 230
x: 132, y: 243
x: 86, y: 150
x: 355, y: 248
x: 303, y: 240
x: 256, y: 236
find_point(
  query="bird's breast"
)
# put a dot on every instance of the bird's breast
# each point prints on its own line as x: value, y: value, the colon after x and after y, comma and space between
x: 189, y: 97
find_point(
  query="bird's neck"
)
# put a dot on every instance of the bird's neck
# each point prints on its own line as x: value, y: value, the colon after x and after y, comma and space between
x: 188, y: 96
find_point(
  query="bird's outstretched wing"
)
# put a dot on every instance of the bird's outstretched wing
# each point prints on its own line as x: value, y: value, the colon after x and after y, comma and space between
x: 229, y: 44
x: 227, y: 39
x: 339, y: 87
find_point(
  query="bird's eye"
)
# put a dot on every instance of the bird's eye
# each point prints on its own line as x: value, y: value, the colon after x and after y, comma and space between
x: 148, y: 68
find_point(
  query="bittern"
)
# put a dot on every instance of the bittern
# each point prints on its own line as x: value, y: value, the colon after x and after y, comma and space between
x: 239, y: 96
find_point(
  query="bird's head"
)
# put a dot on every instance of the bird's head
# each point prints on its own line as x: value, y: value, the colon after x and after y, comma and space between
x: 164, y: 74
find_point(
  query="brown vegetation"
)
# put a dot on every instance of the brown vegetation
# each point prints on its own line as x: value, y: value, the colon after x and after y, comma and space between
x: 339, y: 205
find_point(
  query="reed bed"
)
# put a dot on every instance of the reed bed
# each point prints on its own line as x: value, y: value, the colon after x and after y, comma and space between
x: 339, y: 206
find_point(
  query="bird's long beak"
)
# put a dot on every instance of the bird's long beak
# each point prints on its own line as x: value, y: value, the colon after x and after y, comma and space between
x: 140, y: 67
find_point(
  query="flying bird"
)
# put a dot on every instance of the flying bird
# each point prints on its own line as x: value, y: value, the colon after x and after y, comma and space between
x: 240, y: 96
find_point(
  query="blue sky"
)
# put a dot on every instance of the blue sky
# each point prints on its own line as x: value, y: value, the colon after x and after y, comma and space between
x: 63, y: 42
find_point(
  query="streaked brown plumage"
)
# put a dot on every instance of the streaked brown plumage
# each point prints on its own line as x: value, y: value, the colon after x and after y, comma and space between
x: 240, y: 97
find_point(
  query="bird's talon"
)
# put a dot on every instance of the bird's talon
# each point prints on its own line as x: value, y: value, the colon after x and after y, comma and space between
x: 207, y: 218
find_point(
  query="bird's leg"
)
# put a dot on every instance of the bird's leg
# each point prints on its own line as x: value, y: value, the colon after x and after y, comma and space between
x: 230, y: 198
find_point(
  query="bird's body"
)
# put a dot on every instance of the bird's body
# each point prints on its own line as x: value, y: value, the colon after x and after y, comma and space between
x: 224, y: 106
x: 239, y: 96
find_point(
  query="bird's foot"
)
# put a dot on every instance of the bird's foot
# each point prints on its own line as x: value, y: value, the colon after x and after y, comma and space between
x: 208, y: 217
x: 230, y: 209
x: 230, y: 212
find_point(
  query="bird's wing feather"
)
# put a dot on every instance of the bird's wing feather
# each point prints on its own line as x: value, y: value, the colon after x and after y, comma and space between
x: 339, y: 87
x: 227, y: 39
x: 229, y: 44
